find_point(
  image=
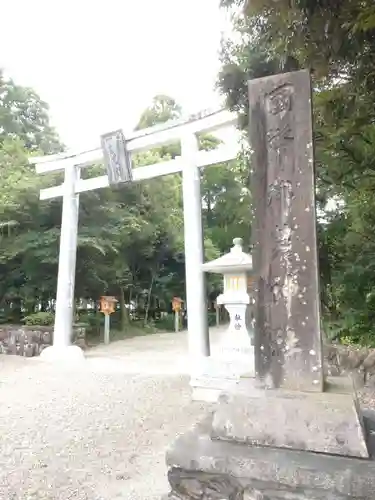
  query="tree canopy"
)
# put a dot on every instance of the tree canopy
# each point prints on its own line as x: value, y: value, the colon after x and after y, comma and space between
x: 24, y: 116
x: 130, y: 240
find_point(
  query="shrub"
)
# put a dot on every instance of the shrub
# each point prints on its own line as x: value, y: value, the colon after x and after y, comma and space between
x: 166, y: 323
x: 3, y: 317
x: 93, y: 321
x: 40, y: 319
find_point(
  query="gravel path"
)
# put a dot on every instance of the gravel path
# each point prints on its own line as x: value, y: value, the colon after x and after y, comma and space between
x: 98, y: 431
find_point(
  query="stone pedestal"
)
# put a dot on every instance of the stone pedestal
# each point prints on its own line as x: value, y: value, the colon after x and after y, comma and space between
x: 275, y: 445
x: 223, y: 371
x: 231, y: 361
x: 217, y: 377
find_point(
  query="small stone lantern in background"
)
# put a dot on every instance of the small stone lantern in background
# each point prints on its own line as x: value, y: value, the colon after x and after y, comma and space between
x: 234, y: 358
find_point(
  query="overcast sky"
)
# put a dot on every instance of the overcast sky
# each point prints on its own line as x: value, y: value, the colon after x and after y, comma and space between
x: 99, y: 63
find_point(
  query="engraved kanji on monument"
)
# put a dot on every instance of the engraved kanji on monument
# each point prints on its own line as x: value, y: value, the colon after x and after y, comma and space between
x: 288, y: 345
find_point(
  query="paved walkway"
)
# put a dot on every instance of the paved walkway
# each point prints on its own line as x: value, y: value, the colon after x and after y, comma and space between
x: 98, y: 431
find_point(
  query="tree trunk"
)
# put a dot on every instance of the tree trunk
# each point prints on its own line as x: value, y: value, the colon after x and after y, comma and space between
x: 124, y: 311
x: 16, y: 310
x: 149, y: 297
x: 131, y: 310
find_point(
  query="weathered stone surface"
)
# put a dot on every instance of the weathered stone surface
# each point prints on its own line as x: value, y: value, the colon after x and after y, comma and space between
x: 30, y: 341
x: 200, y: 486
x: 271, y: 474
x: 288, y: 344
x: 79, y: 335
x: 324, y: 423
x: 354, y: 360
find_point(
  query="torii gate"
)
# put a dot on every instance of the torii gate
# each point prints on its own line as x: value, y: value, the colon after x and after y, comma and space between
x: 189, y: 163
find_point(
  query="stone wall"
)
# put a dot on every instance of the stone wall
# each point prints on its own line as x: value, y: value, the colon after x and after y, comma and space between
x: 357, y: 361
x: 30, y: 341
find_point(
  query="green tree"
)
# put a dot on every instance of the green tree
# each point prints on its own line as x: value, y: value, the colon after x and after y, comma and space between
x: 162, y: 109
x: 23, y: 115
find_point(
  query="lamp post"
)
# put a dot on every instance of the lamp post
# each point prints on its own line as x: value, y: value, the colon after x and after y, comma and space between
x: 107, y: 307
x: 176, y: 306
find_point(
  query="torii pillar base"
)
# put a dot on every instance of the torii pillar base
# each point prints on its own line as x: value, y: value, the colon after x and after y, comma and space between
x: 62, y: 354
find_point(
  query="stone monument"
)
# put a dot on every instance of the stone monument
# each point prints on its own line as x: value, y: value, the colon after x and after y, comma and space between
x: 235, y: 356
x: 288, y: 433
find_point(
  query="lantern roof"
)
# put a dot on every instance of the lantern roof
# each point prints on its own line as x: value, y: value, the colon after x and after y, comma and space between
x: 108, y: 298
x: 235, y: 260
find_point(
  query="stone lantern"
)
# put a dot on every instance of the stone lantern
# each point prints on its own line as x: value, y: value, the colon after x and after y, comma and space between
x: 233, y: 358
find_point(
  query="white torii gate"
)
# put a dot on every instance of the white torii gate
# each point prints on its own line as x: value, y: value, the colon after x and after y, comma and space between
x: 189, y: 163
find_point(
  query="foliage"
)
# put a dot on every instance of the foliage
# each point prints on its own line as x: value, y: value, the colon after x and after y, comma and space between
x: 92, y: 320
x: 162, y: 109
x: 166, y: 323
x: 24, y: 116
x: 40, y: 319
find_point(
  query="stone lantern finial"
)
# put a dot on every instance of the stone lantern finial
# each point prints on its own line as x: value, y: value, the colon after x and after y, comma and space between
x: 237, y: 245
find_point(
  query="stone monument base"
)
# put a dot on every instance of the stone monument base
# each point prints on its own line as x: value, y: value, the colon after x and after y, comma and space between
x: 275, y: 445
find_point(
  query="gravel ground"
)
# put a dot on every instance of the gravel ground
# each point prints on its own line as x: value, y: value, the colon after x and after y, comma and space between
x: 98, y: 431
